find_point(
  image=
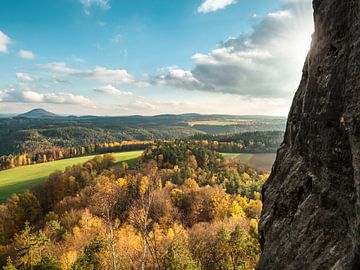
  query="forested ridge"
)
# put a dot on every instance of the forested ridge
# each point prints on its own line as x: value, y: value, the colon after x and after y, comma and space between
x: 249, y: 142
x: 29, y: 135
x: 182, y: 207
x: 246, y: 142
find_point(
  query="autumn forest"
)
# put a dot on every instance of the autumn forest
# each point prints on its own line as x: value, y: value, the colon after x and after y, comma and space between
x: 183, y: 206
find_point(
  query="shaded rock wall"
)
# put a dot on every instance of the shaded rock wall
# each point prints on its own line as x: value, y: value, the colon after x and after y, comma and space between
x: 311, y: 212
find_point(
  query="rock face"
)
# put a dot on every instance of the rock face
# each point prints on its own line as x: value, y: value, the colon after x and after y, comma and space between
x: 311, y: 213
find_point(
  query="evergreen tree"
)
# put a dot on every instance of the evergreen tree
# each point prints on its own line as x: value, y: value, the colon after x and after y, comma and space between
x: 179, y: 257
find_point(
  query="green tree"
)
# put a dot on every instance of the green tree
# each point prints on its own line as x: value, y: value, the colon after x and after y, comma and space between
x: 178, y: 257
x: 30, y: 206
x: 48, y: 263
x: 238, y: 248
x: 31, y: 248
x: 89, y: 259
x: 222, y: 246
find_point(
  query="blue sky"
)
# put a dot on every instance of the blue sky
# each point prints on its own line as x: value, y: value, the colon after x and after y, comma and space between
x: 117, y: 57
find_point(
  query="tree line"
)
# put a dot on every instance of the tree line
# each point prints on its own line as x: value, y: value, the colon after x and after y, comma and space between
x: 247, y: 142
x: 250, y: 142
x: 57, y: 153
x: 182, y: 207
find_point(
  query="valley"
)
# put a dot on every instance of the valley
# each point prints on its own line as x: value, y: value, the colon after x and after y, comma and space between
x: 167, y: 135
x: 191, y: 173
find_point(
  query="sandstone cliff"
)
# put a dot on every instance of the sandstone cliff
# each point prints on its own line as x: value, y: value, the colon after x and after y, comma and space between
x: 311, y: 211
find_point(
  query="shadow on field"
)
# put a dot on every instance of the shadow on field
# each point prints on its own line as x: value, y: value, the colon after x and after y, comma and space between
x: 21, y: 187
x: 18, y: 188
x: 132, y: 162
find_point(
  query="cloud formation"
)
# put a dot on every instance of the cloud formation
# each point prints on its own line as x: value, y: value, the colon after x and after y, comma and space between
x: 28, y: 96
x: 180, y: 79
x: 214, y: 5
x: 139, y: 104
x: 265, y: 63
x: 24, y: 77
x: 111, y: 90
x: 4, y: 42
x: 101, y: 74
x: 26, y: 54
x: 87, y: 4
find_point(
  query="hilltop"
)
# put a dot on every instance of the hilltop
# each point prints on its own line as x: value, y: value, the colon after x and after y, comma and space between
x: 37, y: 113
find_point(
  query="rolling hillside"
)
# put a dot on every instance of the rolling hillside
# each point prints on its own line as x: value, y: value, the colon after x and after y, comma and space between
x: 43, y: 129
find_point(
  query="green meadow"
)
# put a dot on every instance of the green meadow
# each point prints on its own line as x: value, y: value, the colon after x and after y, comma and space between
x: 20, y: 179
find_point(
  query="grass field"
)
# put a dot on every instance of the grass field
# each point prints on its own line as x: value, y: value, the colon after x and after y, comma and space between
x: 261, y: 162
x: 19, y: 179
x: 221, y: 123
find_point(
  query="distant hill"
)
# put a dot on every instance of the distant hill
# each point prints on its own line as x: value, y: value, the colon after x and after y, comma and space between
x: 37, y: 113
x: 40, y: 129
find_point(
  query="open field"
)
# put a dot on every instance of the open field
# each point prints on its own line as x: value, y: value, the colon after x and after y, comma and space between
x: 261, y: 162
x: 220, y: 123
x: 19, y: 179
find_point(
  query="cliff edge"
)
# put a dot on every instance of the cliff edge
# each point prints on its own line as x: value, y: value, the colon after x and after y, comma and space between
x: 311, y: 212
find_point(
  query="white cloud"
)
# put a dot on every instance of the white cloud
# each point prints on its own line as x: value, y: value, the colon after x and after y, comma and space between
x: 179, y: 78
x: 4, y: 42
x: 29, y: 96
x: 142, y: 104
x: 111, y: 90
x: 101, y: 74
x: 26, y: 54
x: 58, y: 67
x: 265, y: 63
x: 213, y: 5
x: 280, y: 14
x: 60, y: 80
x: 24, y: 76
x: 109, y: 75
x: 87, y: 4
x: 142, y: 84
x: 231, y: 56
x: 67, y: 98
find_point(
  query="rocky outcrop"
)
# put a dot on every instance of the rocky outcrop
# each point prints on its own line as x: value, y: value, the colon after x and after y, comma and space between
x: 311, y: 212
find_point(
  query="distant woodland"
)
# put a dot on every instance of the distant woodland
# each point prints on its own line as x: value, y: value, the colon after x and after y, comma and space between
x: 21, y: 135
x: 249, y: 142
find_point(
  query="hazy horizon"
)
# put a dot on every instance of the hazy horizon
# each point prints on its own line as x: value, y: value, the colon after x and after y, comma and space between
x: 126, y: 115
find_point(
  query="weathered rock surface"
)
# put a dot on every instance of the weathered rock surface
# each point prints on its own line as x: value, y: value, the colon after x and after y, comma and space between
x: 311, y: 213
